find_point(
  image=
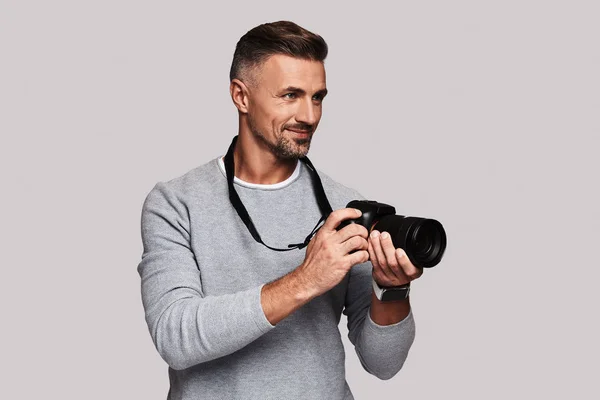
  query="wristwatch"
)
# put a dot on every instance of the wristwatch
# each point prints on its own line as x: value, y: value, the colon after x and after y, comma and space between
x: 391, y: 293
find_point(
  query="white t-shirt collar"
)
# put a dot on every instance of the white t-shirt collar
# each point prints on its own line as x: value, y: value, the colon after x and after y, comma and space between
x: 251, y: 185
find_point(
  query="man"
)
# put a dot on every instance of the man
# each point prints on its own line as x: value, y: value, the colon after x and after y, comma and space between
x: 234, y: 317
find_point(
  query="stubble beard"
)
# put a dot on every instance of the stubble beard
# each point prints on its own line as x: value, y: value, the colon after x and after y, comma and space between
x: 284, y: 148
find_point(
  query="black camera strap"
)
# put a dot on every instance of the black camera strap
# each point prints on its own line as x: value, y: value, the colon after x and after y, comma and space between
x: 324, y: 205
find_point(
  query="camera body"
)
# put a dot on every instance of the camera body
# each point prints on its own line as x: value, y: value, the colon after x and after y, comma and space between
x: 423, y: 239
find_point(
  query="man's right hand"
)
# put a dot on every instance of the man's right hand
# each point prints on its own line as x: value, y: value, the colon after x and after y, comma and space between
x: 326, y: 263
x: 327, y: 259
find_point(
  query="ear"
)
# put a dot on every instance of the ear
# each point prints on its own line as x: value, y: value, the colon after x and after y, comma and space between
x: 239, y: 94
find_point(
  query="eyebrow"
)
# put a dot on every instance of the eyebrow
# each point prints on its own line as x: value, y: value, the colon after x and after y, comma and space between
x: 322, y: 92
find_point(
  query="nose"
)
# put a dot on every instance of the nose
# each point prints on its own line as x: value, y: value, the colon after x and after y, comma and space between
x: 307, y: 112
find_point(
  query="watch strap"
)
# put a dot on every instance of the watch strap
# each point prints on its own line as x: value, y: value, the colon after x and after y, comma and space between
x: 390, y: 293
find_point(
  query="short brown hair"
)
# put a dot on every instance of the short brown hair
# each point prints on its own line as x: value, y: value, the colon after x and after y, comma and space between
x: 266, y: 40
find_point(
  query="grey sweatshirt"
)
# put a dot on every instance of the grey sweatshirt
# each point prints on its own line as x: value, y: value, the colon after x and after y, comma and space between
x: 201, y: 278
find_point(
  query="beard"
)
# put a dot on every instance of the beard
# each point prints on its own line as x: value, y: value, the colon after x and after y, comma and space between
x: 284, y: 147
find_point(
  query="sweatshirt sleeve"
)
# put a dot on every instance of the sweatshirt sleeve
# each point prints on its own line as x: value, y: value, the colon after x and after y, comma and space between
x: 186, y: 326
x: 381, y: 349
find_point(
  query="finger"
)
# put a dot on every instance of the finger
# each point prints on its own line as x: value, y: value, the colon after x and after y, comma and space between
x: 355, y: 243
x: 390, y: 254
x: 407, y: 266
x: 377, y: 273
x: 381, y: 259
x: 360, y: 256
x: 372, y: 256
x: 350, y: 231
x: 337, y: 216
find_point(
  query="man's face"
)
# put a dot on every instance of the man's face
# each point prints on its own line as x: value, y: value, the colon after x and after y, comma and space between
x: 285, y: 104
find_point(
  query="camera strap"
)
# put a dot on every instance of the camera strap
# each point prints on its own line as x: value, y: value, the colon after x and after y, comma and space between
x: 322, y: 201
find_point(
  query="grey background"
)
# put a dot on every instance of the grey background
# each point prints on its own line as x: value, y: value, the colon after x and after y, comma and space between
x: 481, y: 114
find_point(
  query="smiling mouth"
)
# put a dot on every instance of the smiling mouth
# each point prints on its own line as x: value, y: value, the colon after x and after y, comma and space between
x: 299, y: 132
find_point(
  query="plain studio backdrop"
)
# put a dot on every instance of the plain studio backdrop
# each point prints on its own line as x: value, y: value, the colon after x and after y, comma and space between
x: 483, y: 115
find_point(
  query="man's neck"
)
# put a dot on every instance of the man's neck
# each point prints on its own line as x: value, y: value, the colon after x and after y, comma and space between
x: 255, y: 164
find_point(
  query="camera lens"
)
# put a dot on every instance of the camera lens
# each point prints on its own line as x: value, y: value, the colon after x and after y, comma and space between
x: 427, y: 241
x: 423, y: 239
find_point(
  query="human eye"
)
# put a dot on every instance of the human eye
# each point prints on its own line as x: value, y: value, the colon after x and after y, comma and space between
x: 290, y: 95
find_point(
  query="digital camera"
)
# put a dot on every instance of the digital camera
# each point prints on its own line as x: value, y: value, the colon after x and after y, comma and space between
x: 423, y: 239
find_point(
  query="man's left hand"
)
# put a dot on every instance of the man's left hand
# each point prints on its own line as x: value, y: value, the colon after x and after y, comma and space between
x: 391, y: 266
